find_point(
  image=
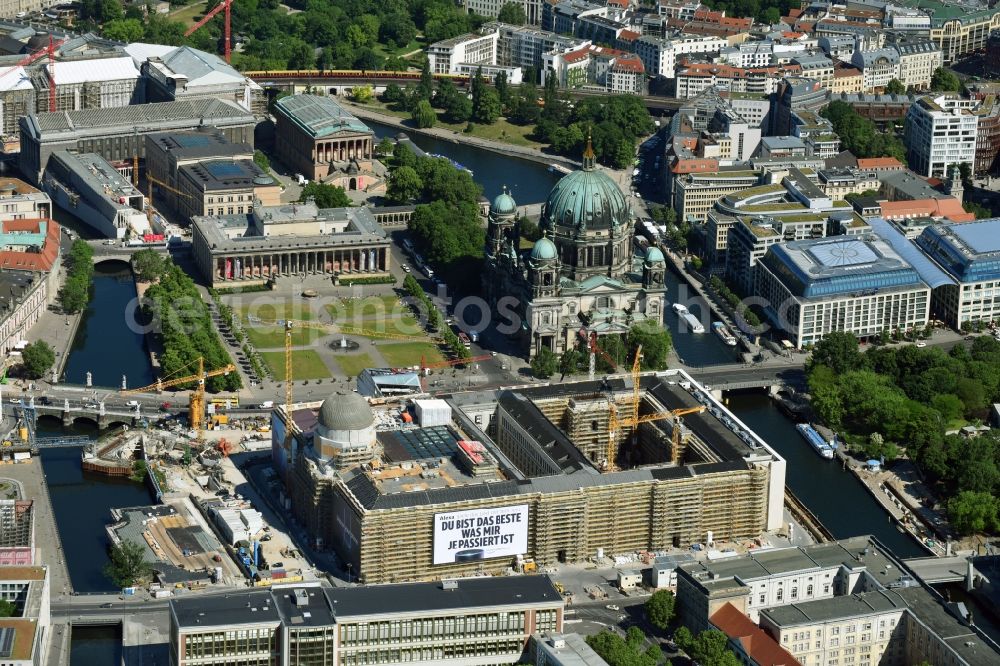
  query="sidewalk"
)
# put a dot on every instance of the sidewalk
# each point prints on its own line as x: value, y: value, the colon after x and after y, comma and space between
x: 58, y: 330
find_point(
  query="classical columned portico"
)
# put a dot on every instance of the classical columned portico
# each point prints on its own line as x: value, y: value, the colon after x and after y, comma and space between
x: 344, y: 150
x: 304, y: 262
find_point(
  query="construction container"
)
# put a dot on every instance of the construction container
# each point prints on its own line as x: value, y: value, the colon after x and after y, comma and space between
x: 432, y: 412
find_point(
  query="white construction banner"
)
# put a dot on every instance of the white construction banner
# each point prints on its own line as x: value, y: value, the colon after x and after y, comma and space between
x: 480, y: 534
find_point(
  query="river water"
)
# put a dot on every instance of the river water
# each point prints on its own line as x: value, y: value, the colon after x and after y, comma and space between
x: 106, y: 345
x: 835, y: 495
x: 529, y: 182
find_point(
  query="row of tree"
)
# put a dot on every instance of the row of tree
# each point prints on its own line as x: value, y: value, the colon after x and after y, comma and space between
x: 889, y: 399
x: 617, y: 350
x: 434, y: 321
x: 75, y: 292
x: 183, y: 325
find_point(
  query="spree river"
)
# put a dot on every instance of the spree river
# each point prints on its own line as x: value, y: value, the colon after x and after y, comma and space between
x: 529, y: 182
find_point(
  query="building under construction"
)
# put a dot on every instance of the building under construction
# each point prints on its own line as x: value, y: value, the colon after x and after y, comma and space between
x: 485, y: 480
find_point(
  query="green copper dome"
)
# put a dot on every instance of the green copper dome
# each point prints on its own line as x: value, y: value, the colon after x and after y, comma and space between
x: 504, y: 204
x: 653, y: 255
x: 544, y: 250
x: 585, y: 199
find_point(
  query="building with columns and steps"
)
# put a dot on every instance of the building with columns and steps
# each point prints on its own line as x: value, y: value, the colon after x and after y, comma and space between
x: 290, y: 239
x: 587, y: 275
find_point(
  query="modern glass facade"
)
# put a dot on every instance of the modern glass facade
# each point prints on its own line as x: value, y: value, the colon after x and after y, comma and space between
x: 970, y: 253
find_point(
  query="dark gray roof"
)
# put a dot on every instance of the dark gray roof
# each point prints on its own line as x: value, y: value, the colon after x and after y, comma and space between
x: 431, y: 598
x: 254, y: 607
x: 314, y: 612
x: 553, y: 442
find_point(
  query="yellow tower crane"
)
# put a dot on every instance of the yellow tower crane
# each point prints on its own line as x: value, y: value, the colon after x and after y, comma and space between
x: 615, y: 424
x: 289, y: 378
x: 196, y: 400
x: 149, y: 182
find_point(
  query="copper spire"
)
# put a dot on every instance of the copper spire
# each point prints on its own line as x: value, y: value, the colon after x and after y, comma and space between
x: 588, y: 154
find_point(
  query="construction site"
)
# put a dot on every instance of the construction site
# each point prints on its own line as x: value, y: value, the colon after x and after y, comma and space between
x: 494, y: 480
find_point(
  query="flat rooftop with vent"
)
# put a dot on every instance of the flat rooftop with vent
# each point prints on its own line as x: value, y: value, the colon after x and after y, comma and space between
x: 679, y: 465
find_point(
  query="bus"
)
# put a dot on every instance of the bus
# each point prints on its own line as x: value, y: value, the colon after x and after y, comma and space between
x: 464, y: 339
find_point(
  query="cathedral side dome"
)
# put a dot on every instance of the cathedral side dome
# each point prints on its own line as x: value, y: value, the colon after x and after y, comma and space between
x: 345, y: 411
x: 503, y: 204
x: 544, y: 250
x: 654, y: 255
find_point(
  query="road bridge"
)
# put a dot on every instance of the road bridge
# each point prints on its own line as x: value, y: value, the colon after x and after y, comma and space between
x: 739, y: 376
x: 954, y: 569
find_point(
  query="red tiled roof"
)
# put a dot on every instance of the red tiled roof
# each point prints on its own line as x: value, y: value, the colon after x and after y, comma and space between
x: 629, y: 35
x: 32, y: 261
x: 576, y: 56
x: 759, y: 646
x: 950, y: 208
x: 879, y: 163
x: 619, y: 3
x: 794, y: 13
x: 630, y: 63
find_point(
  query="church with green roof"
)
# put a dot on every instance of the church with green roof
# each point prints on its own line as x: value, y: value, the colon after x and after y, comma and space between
x: 586, y: 277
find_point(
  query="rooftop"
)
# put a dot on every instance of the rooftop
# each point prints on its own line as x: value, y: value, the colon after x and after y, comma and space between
x: 319, y: 116
x: 426, y: 598
x: 226, y: 175
x: 222, y: 610
x: 17, y: 638
x: 303, y: 607
x: 840, y: 265
x: 197, y: 144
x: 835, y: 608
x: 761, y: 648
x: 969, y: 251
x: 22, y: 573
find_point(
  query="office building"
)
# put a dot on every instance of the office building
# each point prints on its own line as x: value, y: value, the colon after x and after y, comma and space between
x: 319, y: 139
x: 390, y: 510
x: 918, y: 58
x: 854, y: 284
x: 695, y: 194
x: 958, y: 30
x: 118, y: 134
x: 264, y: 242
x: 969, y: 253
x: 878, y: 67
x: 470, y: 621
x: 941, y: 132
x: 472, y: 49
x: 987, y: 137
x: 525, y: 46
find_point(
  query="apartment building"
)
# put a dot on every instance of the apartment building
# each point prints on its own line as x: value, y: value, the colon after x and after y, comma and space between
x: 819, y: 68
x: 878, y: 67
x: 917, y: 61
x: 941, y: 132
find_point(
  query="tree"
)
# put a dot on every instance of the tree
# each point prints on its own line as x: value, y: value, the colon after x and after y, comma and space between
x: 981, y: 213
x: 711, y: 648
x: 384, y: 147
x: 75, y: 292
x: 404, y: 184
x: 187, y: 457
x: 488, y: 108
x: 458, y: 109
x: 512, y: 13
x: 426, y: 86
x: 362, y: 94
x: 128, y: 565
x: 260, y: 159
x: 126, y: 30
x: 503, y: 90
x: 403, y: 155
x: 973, y: 512
x: 656, y: 343
x: 7, y: 608
x: 423, y: 115
x: 569, y: 362
x: 326, y: 196
x: 944, y: 80
x: 838, y: 351
x: 148, y: 265
x: 895, y: 87
x: 37, y: 358
x: 545, y: 363
x: 139, y: 470
x: 660, y: 609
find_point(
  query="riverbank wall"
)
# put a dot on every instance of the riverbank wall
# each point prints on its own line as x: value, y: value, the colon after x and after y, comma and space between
x: 505, y: 149
x: 63, y: 358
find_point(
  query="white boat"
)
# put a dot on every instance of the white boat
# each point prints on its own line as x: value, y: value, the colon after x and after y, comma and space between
x: 692, y: 322
x: 680, y: 309
x: 723, y: 332
x: 815, y: 440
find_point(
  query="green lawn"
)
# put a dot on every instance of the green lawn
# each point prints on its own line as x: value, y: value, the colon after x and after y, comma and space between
x: 402, y: 354
x: 268, y: 310
x: 189, y: 14
x: 273, y: 337
x: 306, y: 364
x: 385, y: 52
x: 351, y: 366
x: 353, y: 311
